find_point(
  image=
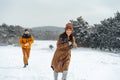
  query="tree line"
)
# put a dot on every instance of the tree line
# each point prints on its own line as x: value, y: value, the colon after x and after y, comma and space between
x: 105, y: 36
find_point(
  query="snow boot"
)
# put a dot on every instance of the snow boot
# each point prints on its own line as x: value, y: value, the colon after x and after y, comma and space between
x: 64, y: 75
x: 55, y: 75
x: 25, y: 65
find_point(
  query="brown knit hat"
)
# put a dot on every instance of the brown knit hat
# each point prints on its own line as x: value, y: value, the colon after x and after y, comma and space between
x: 69, y: 26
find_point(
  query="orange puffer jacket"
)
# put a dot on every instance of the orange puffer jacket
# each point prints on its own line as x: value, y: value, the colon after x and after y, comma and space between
x: 23, y: 41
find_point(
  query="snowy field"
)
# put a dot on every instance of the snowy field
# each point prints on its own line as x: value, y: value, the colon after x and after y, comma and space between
x: 86, y: 64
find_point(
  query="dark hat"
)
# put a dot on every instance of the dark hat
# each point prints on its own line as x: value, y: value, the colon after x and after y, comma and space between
x: 26, y: 30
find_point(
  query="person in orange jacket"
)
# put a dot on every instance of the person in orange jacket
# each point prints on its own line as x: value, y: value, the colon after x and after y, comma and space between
x: 26, y: 41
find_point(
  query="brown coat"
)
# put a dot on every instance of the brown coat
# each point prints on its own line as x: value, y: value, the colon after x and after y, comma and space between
x: 61, y: 58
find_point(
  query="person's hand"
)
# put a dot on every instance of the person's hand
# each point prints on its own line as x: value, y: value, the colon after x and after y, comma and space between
x: 70, y: 43
x: 26, y: 44
x: 75, y: 45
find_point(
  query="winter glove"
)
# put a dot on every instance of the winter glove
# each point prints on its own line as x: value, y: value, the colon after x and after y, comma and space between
x: 71, y: 46
x: 64, y: 40
x: 52, y: 68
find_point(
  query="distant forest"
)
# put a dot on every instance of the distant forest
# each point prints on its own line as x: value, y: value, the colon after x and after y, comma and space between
x: 104, y: 36
x: 9, y: 34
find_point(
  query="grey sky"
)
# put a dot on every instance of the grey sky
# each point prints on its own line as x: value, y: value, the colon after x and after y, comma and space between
x: 32, y: 13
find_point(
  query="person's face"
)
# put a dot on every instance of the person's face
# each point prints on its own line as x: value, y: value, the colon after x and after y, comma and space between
x: 26, y: 32
x: 68, y: 32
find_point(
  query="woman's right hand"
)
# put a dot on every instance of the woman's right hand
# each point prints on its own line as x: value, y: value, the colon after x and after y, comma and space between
x: 70, y: 43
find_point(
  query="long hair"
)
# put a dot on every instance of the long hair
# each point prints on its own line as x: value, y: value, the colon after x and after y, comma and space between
x: 64, y: 35
x: 69, y: 26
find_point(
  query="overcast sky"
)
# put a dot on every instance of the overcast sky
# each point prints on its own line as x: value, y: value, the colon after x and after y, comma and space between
x: 33, y: 13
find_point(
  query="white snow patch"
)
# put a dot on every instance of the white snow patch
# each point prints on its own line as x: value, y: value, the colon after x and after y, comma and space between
x: 86, y: 64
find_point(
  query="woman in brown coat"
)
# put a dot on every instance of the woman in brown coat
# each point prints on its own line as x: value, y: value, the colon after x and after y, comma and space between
x: 61, y: 58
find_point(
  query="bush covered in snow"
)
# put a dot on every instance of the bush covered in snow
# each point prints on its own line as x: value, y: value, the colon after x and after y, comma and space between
x: 105, y: 35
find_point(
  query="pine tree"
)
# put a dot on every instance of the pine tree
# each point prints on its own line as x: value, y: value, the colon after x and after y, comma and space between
x: 80, y: 31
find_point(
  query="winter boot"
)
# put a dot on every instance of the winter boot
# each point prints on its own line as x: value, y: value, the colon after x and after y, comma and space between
x: 55, y: 75
x: 64, y: 75
x: 25, y: 65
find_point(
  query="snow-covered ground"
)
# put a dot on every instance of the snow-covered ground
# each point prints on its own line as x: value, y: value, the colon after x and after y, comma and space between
x: 86, y: 64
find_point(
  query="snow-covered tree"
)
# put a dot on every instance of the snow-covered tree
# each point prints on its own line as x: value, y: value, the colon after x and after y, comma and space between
x: 80, y: 31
